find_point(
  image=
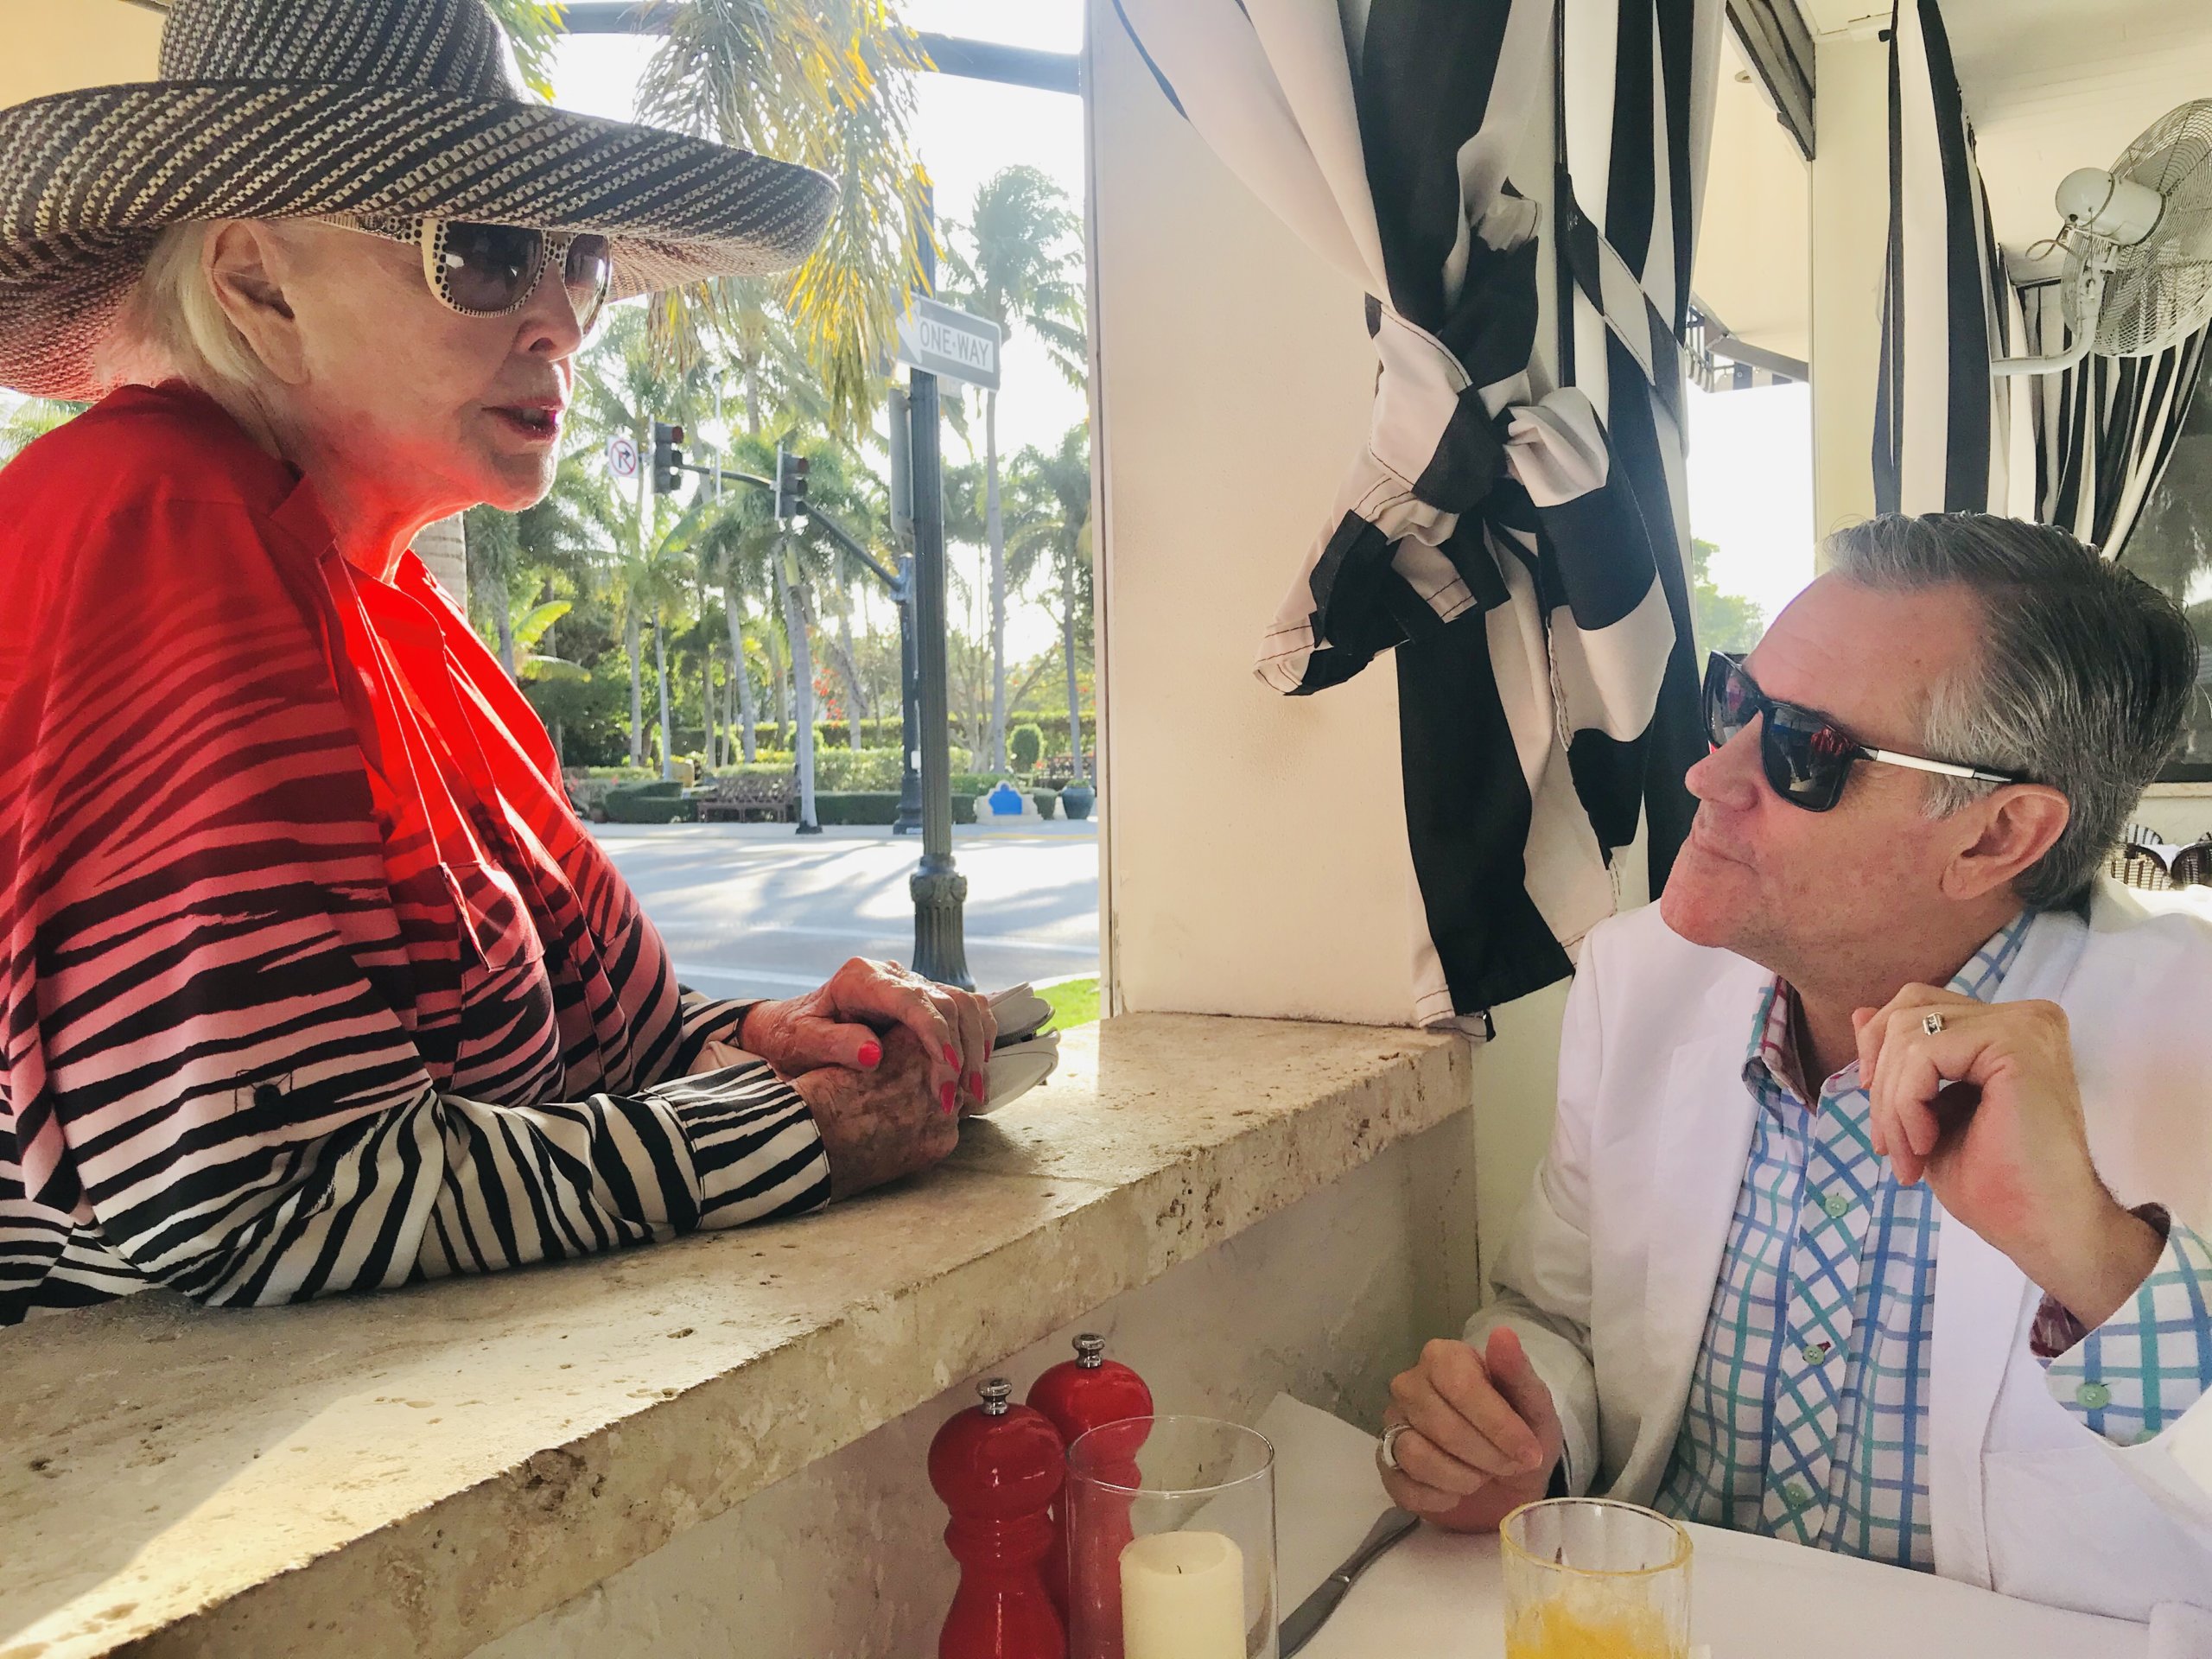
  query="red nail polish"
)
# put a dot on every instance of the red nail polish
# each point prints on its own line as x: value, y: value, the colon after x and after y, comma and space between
x: 951, y: 1055
x: 871, y: 1056
x: 975, y: 1084
x: 946, y: 1095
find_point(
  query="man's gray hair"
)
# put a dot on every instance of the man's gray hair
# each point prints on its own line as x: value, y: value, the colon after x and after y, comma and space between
x: 2082, y: 682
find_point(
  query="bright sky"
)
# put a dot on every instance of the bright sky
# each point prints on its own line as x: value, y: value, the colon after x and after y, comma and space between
x: 1751, y: 452
x: 1750, y: 472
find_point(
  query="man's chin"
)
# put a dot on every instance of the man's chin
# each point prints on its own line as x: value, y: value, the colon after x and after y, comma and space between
x: 1695, y: 908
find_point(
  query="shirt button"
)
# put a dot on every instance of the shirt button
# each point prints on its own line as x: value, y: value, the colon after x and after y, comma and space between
x: 1837, y: 1204
x: 1795, y: 1496
x: 2093, y: 1396
x: 1815, y: 1352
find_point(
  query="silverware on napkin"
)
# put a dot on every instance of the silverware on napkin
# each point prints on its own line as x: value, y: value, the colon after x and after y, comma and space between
x: 1313, y: 1612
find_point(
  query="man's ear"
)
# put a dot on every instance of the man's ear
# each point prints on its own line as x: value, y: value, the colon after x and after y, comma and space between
x: 2017, y: 824
x: 245, y: 263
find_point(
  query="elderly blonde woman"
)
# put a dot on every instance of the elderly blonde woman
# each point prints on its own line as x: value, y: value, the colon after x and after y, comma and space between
x: 309, y: 980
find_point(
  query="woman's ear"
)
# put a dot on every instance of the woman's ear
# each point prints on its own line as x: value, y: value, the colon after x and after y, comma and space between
x: 2019, y: 825
x: 246, y: 263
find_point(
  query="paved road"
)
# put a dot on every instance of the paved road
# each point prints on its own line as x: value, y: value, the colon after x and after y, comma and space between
x: 751, y: 909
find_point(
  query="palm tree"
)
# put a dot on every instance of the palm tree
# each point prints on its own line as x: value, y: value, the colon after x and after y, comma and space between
x: 624, y: 386
x: 552, y: 534
x: 1051, y: 534
x: 736, y: 548
x: 753, y: 341
x: 828, y: 83
x: 1018, y: 272
x: 29, y: 420
x: 534, y: 26
x: 843, y: 484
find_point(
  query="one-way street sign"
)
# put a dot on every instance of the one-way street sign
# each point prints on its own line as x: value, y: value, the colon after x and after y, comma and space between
x: 937, y: 338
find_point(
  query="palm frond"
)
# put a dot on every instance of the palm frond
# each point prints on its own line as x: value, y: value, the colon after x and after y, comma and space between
x: 828, y: 83
x: 534, y: 26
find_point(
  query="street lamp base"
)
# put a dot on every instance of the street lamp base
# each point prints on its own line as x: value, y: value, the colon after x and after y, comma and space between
x: 809, y: 830
x: 940, y: 952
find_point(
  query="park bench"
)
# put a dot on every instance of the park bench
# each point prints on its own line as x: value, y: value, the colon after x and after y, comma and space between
x: 1056, y: 770
x: 771, y: 799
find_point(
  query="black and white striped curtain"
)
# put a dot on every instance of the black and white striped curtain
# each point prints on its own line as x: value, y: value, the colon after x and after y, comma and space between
x: 2082, y: 449
x: 1941, y: 421
x: 1514, y: 530
x: 2102, y: 430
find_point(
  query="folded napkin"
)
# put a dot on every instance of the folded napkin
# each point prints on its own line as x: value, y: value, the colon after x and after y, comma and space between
x: 1327, y: 1493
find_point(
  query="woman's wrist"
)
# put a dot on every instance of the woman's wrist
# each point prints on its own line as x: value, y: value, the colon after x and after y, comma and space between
x: 747, y: 1024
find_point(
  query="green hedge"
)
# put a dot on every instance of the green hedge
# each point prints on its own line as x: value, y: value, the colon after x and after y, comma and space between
x: 650, y: 803
x: 885, y: 734
x: 876, y: 806
x: 844, y: 770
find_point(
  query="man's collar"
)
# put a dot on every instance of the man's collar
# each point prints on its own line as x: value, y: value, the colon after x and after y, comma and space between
x: 1772, y: 1055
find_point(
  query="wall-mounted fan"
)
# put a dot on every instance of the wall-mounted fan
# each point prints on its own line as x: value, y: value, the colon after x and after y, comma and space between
x: 2139, y: 246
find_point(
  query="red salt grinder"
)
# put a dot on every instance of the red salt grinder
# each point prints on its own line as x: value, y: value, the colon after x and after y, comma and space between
x: 997, y: 1466
x: 1080, y: 1395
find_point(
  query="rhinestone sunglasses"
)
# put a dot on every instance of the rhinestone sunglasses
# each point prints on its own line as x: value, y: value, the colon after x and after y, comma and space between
x: 489, y: 270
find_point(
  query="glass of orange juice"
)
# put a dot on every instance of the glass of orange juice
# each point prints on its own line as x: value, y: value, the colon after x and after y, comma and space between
x: 1586, y: 1578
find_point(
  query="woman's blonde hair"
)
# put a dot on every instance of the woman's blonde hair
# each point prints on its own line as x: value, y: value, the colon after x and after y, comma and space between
x: 174, y: 327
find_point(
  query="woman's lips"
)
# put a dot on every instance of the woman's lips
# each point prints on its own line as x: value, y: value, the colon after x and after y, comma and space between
x: 534, y: 422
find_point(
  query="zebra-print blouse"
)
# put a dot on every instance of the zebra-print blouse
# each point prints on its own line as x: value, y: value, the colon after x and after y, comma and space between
x: 309, y: 980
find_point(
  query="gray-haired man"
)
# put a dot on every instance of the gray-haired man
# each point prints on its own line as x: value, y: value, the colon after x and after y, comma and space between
x: 1775, y: 1274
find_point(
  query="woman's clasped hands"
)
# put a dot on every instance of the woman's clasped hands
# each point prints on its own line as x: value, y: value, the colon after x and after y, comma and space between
x: 888, y: 1061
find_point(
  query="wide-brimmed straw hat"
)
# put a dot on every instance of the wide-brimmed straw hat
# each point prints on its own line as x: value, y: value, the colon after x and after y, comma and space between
x: 279, y: 109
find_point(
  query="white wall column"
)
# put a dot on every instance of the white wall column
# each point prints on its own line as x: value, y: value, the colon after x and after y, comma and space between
x: 1256, y: 859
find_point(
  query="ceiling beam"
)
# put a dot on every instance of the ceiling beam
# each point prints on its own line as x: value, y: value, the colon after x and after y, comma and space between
x: 1779, y: 47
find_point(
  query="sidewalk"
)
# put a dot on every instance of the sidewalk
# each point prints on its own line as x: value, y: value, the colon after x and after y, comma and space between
x: 1040, y: 829
x: 756, y: 910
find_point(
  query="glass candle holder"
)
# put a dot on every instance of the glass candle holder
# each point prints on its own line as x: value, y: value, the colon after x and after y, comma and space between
x: 1171, y: 1542
x: 1586, y: 1578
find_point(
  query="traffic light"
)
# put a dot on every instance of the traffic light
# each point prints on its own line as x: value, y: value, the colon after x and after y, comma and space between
x: 667, y: 458
x: 790, y: 484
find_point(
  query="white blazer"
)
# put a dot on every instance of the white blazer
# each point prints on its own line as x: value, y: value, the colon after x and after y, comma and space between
x: 1609, y: 1275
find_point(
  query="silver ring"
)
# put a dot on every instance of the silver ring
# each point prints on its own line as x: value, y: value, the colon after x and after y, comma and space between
x: 1933, y: 1024
x: 1389, y: 1455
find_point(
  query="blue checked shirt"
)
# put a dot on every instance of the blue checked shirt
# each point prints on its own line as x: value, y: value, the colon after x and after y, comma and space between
x: 1807, y: 1412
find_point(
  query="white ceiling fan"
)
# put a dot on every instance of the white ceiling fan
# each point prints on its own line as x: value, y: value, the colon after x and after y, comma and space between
x: 2139, y: 246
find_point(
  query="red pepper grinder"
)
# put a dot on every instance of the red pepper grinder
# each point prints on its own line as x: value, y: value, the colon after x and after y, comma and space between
x: 997, y: 1466
x: 1079, y: 1395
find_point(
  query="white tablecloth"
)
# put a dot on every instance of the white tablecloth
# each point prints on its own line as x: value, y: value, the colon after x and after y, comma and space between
x: 1751, y: 1597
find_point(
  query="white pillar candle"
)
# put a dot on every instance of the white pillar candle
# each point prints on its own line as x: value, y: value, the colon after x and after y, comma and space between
x: 1183, y: 1596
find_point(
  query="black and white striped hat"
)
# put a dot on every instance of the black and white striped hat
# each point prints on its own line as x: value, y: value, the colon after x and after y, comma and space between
x: 278, y: 109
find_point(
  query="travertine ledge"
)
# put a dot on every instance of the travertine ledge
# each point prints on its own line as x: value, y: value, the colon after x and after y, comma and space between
x: 415, y: 1473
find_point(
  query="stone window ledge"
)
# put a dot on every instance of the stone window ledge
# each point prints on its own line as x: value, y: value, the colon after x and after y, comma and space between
x: 414, y: 1473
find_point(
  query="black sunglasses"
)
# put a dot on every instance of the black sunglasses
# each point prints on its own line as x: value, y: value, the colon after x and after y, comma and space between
x: 488, y: 270
x: 1806, y: 756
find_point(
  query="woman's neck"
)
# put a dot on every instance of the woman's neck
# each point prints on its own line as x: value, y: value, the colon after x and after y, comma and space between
x: 374, y: 530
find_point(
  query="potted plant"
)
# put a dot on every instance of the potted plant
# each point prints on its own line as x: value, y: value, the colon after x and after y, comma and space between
x: 1077, y: 798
